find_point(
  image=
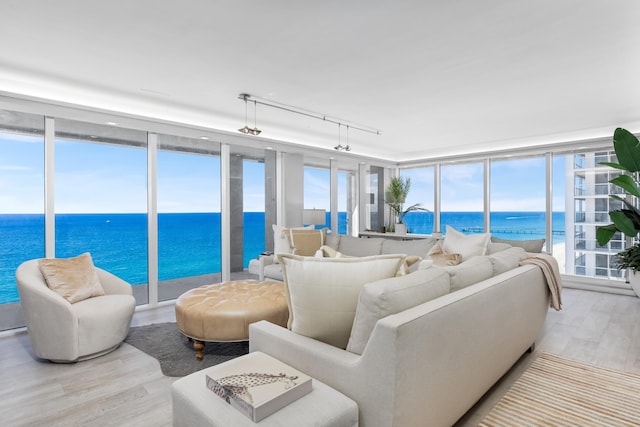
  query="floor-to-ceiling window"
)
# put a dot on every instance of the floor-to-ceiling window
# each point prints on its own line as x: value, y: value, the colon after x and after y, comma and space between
x: 101, y: 198
x: 462, y: 197
x: 188, y: 198
x: 346, y: 200
x: 317, y: 191
x: 589, y: 204
x: 420, y: 193
x: 518, y: 198
x: 21, y: 205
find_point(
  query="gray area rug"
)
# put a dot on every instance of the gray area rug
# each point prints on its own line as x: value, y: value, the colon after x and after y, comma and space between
x: 175, y: 352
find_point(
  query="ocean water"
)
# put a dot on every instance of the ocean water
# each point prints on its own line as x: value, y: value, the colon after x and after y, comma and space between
x: 188, y: 243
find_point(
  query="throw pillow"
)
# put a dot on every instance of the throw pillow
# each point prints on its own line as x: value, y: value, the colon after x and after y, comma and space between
x: 466, y: 245
x: 389, y: 296
x: 322, y: 293
x: 305, y: 242
x: 442, y: 259
x: 281, y: 242
x: 74, y: 279
x: 534, y: 246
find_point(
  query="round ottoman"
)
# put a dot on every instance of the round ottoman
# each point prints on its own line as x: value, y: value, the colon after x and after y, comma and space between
x: 224, y: 311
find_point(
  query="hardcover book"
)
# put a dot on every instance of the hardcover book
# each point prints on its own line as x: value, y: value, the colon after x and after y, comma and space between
x: 257, y: 384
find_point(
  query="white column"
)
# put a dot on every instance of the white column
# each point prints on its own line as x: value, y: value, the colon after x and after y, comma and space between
x: 225, y: 212
x: 487, y: 195
x: 549, y: 198
x: 334, y: 195
x: 152, y: 218
x: 49, y: 188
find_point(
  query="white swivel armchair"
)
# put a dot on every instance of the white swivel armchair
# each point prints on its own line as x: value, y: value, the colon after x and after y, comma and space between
x: 65, y: 332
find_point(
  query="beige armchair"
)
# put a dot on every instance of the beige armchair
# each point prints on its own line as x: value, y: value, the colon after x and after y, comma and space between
x: 65, y: 332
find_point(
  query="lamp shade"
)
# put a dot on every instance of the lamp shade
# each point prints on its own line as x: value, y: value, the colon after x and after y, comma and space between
x: 314, y: 216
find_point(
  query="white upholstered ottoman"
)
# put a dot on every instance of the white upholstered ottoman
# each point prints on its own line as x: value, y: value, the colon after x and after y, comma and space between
x: 195, y: 405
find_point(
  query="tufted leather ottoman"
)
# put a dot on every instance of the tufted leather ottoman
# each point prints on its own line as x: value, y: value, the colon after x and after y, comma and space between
x: 224, y: 311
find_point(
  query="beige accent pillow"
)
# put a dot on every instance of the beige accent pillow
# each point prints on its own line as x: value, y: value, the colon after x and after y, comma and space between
x: 305, y: 242
x: 322, y: 293
x: 470, y: 245
x: 74, y: 279
x: 389, y: 296
x: 442, y: 259
x: 281, y: 242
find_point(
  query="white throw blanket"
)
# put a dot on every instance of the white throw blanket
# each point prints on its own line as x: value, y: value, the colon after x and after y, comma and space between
x: 549, y: 266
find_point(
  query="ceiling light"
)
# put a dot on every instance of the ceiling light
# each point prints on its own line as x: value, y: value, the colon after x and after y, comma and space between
x: 246, y: 128
x: 341, y: 147
x: 255, y: 131
x: 291, y: 109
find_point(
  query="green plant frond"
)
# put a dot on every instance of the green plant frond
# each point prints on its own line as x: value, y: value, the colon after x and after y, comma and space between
x: 627, y: 148
x: 629, y: 258
x: 613, y: 165
x: 605, y: 233
x: 623, y: 223
x: 633, y: 216
x: 627, y: 183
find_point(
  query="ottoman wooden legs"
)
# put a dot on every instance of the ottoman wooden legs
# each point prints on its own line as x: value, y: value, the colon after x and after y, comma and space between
x: 223, y: 312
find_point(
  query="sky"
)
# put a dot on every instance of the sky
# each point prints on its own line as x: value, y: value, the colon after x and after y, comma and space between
x: 101, y: 178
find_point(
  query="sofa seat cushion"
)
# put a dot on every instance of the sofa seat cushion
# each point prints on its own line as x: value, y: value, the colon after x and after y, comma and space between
x: 389, y: 296
x: 506, y: 260
x: 474, y: 270
x: 273, y: 271
x: 533, y: 246
x: 360, y: 247
x: 322, y: 293
x: 470, y: 245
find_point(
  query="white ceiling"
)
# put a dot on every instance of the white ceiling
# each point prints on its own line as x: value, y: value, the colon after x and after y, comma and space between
x: 437, y: 78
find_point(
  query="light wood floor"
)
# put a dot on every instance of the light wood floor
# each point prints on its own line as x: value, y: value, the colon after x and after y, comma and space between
x: 126, y: 387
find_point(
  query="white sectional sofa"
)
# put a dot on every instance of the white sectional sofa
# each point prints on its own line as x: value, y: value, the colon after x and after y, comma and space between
x: 427, y: 363
x: 266, y: 266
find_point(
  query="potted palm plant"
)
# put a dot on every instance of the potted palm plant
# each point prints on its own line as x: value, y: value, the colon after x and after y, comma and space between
x: 396, y: 196
x: 627, y: 219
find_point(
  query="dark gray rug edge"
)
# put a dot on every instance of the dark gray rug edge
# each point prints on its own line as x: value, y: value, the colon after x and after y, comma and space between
x: 174, y: 351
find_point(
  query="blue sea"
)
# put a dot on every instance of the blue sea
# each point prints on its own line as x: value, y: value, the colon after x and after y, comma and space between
x: 188, y: 243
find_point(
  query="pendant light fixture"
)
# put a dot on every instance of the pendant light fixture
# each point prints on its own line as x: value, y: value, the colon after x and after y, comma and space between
x: 246, y: 128
x: 297, y: 110
x: 341, y: 147
x: 255, y: 131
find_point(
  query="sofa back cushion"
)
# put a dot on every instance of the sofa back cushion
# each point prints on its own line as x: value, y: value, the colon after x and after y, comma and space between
x: 389, y: 296
x: 506, y: 260
x: 322, y: 293
x: 359, y: 247
x: 469, y: 245
x: 474, y: 270
x: 494, y: 247
x: 534, y: 246
x: 417, y: 247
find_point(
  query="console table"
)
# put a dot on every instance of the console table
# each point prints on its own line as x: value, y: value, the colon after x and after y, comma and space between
x: 408, y: 236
